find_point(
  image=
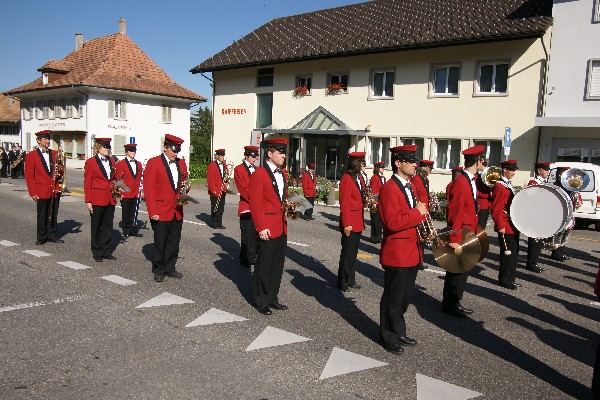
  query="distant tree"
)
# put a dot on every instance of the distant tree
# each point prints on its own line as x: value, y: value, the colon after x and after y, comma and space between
x: 200, y: 134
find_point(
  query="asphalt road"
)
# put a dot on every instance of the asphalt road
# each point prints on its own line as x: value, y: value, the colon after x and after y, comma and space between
x: 69, y: 333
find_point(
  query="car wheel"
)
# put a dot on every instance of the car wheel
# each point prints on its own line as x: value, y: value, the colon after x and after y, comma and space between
x: 597, y: 225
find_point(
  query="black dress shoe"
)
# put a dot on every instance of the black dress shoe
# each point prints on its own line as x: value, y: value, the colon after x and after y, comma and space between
x: 159, y: 278
x: 174, y: 274
x: 40, y: 242
x: 98, y: 259
x: 464, y: 310
x: 109, y: 257
x: 454, y: 312
x: 220, y: 227
x: 264, y: 310
x: 559, y: 257
x: 394, y: 348
x: 510, y: 285
x: 345, y: 290
x: 354, y: 286
x: 534, y: 268
x: 421, y: 267
x: 517, y: 284
x: 55, y: 240
x: 278, y: 306
x: 407, y: 341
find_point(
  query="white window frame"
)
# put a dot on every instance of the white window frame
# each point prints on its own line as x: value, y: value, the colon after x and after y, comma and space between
x: 339, y: 74
x: 597, y: 11
x: 448, y: 152
x: 384, y: 71
x: 50, y: 109
x: 64, y: 105
x: 383, y: 154
x: 27, y: 110
x: 488, y: 147
x: 593, y: 80
x: 39, y: 109
x: 165, y: 115
x: 44, y: 78
x: 259, y: 75
x: 117, y: 109
x: 447, y: 66
x: 495, y: 62
x: 76, y: 107
x: 305, y: 78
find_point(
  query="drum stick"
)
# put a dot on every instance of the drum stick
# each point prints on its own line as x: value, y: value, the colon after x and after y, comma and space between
x: 506, y: 250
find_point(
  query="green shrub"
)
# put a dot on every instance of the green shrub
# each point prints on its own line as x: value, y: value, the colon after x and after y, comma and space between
x: 322, y: 189
x: 440, y: 214
x: 197, y: 170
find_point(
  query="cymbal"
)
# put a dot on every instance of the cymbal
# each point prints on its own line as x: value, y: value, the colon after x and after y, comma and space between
x: 484, y: 242
x: 461, y: 260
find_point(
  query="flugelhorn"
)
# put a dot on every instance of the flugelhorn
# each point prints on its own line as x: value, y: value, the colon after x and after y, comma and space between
x: 491, y: 175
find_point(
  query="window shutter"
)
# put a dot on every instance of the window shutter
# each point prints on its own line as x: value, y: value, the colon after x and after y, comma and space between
x: 57, y: 109
x: 111, y: 109
x: 595, y: 79
x: 63, y: 108
x: 123, y: 109
x: 164, y: 114
x: 80, y: 110
x: 69, y: 108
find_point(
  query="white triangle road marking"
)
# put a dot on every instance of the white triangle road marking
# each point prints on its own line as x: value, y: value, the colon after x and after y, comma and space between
x: 119, y: 280
x: 434, y: 389
x: 271, y: 337
x: 342, y: 362
x: 8, y: 243
x: 74, y: 265
x: 165, y: 299
x: 37, y: 253
x: 215, y: 316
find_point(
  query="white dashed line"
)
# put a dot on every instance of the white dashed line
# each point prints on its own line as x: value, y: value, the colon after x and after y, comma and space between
x: 298, y: 244
x: 594, y: 303
x: 37, y: 253
x: 74, y: 265
x: 437, y: 271
x: 40, y: 303
x: 8, y: 243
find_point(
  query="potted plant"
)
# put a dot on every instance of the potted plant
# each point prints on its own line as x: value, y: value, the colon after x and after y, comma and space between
x: 300, y: 91
x: 335, y: 88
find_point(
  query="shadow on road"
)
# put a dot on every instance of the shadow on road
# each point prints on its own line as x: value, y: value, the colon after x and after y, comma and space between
x: 229, y: 266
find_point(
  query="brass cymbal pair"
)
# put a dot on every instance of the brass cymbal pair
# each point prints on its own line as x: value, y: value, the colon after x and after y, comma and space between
x: 473, y: 248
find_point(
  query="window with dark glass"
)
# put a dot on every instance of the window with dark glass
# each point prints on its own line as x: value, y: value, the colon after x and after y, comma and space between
x: 264, y: 114
x: 493, y: 78
x: 445, y: 80
x: 265, y: 77
x: 382, y: 83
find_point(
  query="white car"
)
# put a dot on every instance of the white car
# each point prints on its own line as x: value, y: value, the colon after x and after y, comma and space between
x: 589, y: 212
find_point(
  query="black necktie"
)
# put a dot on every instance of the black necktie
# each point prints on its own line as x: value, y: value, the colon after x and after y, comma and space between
x: 103, y: 158
x: 132, y: 161
x: 277, y: 171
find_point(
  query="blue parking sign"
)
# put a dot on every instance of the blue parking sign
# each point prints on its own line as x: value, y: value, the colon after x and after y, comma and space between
x: 507, y: 141
x: 132, y: 140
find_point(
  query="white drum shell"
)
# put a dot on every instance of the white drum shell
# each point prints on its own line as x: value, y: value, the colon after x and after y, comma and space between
x: 541, y: 211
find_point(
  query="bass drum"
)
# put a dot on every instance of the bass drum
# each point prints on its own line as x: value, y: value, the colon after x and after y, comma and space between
x: 541, y: 211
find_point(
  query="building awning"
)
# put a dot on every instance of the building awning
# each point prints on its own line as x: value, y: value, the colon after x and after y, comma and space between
x: 318, y: 122
x: 569, y: 122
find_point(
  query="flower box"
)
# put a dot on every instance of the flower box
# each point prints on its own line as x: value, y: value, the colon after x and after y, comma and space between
x: 300, y: 91
x: 335, y: 88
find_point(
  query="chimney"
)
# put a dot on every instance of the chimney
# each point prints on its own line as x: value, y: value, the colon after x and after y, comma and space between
x: 123, y: 26
x: 78, y: 41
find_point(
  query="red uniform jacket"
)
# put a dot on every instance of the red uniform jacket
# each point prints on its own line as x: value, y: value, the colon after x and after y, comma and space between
x: 401, y: 246
x: 309, y: 185
x: 462, y: 210
x: 124, y: 171
x: 215, y: 179
x: 501, y: 201
x: 484, y: 193
x: 534, y: 181
x: 242, y: 174
x: 351, y: 204
x: 38, y: 175
x: 419, y: 186
x: 96, y: 185
x: 376, y: 183
x: 265, y: 203
x: 448, y: 188
x: 160, y: 191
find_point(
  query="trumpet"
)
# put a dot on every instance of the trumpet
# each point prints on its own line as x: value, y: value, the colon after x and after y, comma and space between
x: 184, y: 188
x: 288, y: 207
x: 491, y: 175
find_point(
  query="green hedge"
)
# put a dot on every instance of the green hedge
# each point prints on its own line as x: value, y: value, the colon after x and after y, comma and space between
x: 197, y: 170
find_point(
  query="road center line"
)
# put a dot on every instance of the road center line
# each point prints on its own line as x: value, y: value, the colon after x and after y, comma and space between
x: 40, y: 303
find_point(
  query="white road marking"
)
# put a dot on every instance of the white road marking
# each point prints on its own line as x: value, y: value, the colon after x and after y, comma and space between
x: 594, y: 303
x: 437, y: 271
x: 189, y: 222
x: 271, y: 337
x: 165, y: 299
x: 8, y: 243
x: 298, y: 244
x: 37, y: 253
x: 434, y: 389
x: 73, y: 265
x: 119, y: 280
x: 215, y: 316
x: 40, y: 303
x: 342, y: 362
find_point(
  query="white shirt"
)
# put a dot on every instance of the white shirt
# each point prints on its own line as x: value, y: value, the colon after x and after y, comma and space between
x: 251, y: 167
x: 105, y: 164
x: 278, y: 178
x: 404, y: 182
x: 46, y: 155
x: 508, y: 184
x: 358, y: 181
x: 473, y: 187
x: 133, y: 164
x: 220, y: 164
x: 173, y: 168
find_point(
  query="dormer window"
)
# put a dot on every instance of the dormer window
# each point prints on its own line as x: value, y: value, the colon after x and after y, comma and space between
x: 44, y: 78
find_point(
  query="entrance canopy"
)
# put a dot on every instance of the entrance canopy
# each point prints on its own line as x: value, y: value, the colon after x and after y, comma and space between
x: 318, y: 122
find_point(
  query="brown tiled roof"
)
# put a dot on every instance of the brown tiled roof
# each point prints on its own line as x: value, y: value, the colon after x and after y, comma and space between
x: 381, y: 26
x: 9, y: 113
x: 114, y: 62
x: 54, y: 65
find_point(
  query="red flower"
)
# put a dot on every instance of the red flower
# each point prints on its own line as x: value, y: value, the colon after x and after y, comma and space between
x: 300, y: 90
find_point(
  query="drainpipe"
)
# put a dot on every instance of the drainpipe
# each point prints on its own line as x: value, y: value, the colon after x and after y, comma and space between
x: 544, y: 94
x: 87, y: 97
x: 212, y: 133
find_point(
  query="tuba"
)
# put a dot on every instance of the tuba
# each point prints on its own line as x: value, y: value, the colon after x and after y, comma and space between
x: 491, y: 175
x: 58, y: 177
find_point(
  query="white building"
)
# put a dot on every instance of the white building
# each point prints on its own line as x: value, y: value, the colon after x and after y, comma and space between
x: 571, y: 121
x: 106, y: 87
x: 10, y: 110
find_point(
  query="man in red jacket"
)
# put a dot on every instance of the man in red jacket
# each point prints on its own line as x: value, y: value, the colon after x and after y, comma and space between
x: 217, y: 176
x: 376, y: 183
x: 309, y: 185
x: 242, y: 174
x: 163, y: 177
x: 534, y: 246
x: 401, y: 252
x: 461, y: 213
x: 508, y: 235
x: 268, y: 190
x: 39, y: 175
x: 352, y: 219
x: 98, y: 175
x: 129, y: 170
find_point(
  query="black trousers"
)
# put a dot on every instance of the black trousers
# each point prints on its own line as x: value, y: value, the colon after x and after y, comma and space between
x: 46, y: 226
x: 596, y: 376
x: 216, y: 216
x: 268, y: 270
x: 398, y: 284
x: 454, y: 287
x: 102, y: 228
x: 167, y: 235
x: 309, y: 213
x: 4, y: 168
x: 508, y: 262
x: 559, y: 251
x: 346, y: 270
x: 14, y: 172
x: 534, y: 249
x: 127, y: 215
x: 376, y: 227
x: 482, y: 217
x: 248, y: 240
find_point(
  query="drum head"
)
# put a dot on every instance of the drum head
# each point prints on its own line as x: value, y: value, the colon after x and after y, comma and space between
x: 541, y: 211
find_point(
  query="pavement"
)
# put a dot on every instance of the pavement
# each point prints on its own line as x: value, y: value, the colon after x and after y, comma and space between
x: 73, y: 328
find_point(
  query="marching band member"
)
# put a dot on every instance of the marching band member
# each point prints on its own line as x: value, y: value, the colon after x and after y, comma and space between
x: 130, y: 171
x: 558, y: 254
x: 508, y: 235
x: 309, y: 185
x: 98, y: 179
x: 484, y: 194
x: 268, y: 190
x: 215, y: 177
x: 163, y: 179
x: 401, y: 252
x: 39, y: 176
x: 534, y: 246
x: 242, y: 174
x: 455, y: 173
x: 420, y: 181
x: 377, y: 182
x: 352, y: 219
x: 461, y: 213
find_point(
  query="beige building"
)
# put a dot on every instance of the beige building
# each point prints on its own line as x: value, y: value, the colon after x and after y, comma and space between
x: 332, y: 88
